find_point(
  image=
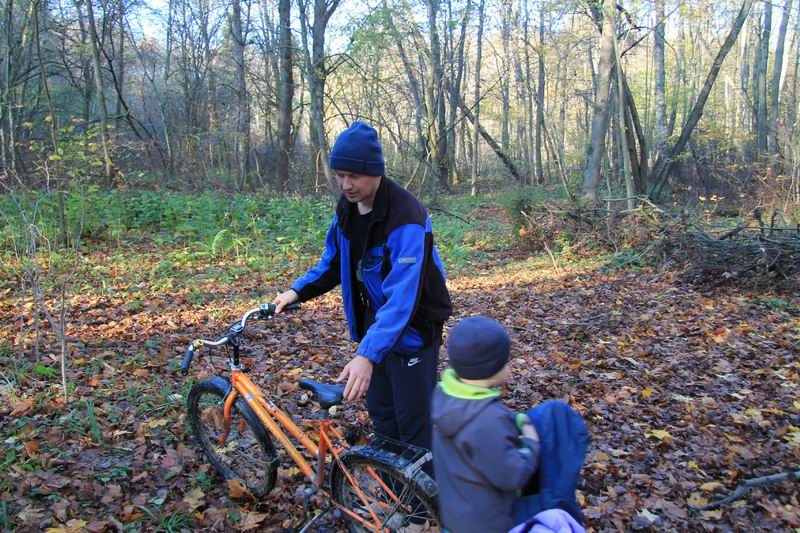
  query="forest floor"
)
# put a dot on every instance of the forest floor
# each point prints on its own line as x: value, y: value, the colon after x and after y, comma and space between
x: 686, y: 392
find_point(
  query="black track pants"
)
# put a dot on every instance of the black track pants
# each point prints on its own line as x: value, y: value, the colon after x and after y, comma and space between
x: 400, y: 392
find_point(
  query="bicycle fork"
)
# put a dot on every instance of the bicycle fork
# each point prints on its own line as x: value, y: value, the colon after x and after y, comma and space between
x: 226, y: 417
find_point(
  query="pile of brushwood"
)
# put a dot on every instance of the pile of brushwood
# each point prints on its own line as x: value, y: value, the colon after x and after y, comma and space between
x: 755, y: 252
x: 747, y: 253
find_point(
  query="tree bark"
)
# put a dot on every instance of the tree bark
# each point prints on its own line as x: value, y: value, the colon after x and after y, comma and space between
x: 505, y: 83
x: 317, y: 73
x: 476, y: 120
x: 791, y: 114
x: 437, y: 125
x: 238, y: 41
x: 120, y: 60
x: 763, y: 60
x: 597, y: 141
x: 455, y: 91
x: 285, y: 95
x: 623, y: 137
x: 540, y: 102
x: 775, y: 86
x: 660, y: 81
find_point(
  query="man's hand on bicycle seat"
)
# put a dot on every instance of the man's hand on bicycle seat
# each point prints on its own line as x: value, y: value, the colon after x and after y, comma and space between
x: 284, y: 299
x: 358, y: 373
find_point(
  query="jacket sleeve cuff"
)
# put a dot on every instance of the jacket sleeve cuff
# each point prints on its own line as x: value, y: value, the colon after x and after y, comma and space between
x: 302, y: 293
x: 364, y: 351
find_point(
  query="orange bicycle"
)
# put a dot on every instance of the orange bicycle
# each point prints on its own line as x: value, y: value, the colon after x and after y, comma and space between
x: 375, y: 487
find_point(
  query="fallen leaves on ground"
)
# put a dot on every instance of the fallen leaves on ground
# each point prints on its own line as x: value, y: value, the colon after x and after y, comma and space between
x: 686, y: 393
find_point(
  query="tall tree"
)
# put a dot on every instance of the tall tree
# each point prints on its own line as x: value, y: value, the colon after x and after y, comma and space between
x: 597, y: 140
x: 100, y: 86
x: 285, y: 95
x: 316, y: 74
x: 477, y: 108
x: 437, y: 125
x: 505, y: 35
x: 659, y: 42
x: 238, y: 41
x: 456, y: 86
x: 540, y: 93
x: 775, y: 85
x: 761, y: 85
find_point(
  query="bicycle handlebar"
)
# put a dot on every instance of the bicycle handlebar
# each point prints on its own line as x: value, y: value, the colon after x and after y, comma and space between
x: 187, y: 359
x: 265, y: 312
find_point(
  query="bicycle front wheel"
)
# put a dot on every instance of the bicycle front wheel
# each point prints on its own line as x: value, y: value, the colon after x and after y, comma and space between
x: 247, y: 455
x: 399, y: 503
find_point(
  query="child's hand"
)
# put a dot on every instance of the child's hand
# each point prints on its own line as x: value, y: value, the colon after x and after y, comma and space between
x: 529, y: 431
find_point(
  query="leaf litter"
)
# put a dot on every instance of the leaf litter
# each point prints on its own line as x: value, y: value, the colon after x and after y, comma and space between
x: 685, y: 393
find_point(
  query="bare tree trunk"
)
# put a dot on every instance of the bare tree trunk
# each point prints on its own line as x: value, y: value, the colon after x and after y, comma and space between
x: 660, y: 81
x: 285, y: 95
x: 663, y: 165
x: 316, y: 73
x: 7, y: 125
x: 437, y: 125
x: 540, y: 101
x: 763, y: 60
x: 100, y: 87
x: 238, y: 41
x: 120, y: 60
x: 597, y: 141
x: 791, y: 114
x: 505, y: 82
x: 477, y: 113
x: 455, y: 91
x: 777, y: 70
x: 623, y: 137
x: 530, y: 97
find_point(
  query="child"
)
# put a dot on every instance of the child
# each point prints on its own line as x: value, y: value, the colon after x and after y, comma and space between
x: 482, y: 452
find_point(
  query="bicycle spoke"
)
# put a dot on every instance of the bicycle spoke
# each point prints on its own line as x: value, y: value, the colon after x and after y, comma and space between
x: 392, y: 498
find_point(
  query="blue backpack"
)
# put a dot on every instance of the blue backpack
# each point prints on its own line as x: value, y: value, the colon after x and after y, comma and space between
x: 564, y: 439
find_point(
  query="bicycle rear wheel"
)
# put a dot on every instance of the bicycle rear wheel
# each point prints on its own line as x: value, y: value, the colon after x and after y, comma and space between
x: 399, y: 502
x: 248, y: 454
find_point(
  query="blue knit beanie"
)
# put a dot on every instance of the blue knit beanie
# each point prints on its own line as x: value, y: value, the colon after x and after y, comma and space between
x: 478, y: 347
x: 357, y: 149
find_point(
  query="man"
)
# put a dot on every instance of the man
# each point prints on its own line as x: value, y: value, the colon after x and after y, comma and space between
x: 380, y: 248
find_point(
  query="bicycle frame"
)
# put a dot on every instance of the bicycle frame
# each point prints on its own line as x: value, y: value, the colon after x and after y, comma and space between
x: 330, y: 442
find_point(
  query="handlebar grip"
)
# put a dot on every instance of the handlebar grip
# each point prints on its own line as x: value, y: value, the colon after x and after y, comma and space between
x: 187, y: 359
x: 292, y: 306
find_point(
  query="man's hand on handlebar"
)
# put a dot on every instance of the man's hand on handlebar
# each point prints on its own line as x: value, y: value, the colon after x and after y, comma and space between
x: 284, y: 299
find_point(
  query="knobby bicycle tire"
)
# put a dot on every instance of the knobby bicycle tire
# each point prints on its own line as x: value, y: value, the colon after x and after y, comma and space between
x: 248, y: 455
x: 414, y: 505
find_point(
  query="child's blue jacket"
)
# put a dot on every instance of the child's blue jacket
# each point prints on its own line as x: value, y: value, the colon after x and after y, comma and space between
x: 563, y: 440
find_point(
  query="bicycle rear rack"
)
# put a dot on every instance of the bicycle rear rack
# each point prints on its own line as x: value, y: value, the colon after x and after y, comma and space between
x: 388, y: 450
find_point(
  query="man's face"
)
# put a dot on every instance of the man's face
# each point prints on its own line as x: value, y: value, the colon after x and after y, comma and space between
x: 357, y: 187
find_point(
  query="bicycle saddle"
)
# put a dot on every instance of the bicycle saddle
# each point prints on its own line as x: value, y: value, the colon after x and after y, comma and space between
x: 326, y: 395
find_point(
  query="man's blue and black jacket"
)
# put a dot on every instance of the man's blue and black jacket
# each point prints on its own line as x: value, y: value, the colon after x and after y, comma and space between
x: 401, y: 270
